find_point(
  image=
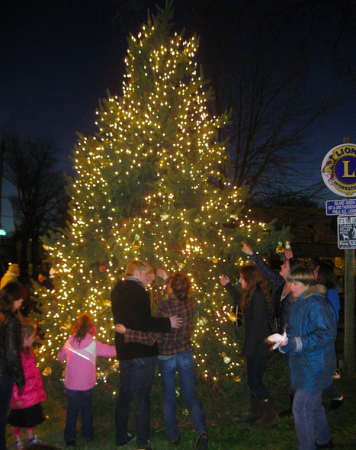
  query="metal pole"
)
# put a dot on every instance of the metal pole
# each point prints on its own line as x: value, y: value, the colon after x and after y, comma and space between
x: 349, y: 330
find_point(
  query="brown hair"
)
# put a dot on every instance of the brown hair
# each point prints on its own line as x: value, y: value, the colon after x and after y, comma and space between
x: 138, y: 265
x: 180, y: 285
x: 82, y: 325
x: 28, y: 328
x: 10, y: 293
x: 254, y: 279
x: 302, y: 274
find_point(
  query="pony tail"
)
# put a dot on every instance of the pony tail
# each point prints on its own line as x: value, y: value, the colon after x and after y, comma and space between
x: 82, y: 326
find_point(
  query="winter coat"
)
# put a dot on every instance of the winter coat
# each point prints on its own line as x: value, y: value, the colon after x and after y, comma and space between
x: 80, y: 372
x: 311, y: 333
x: 10, y: 347
x: 131, y: 306
x: 33, y: 392
x: 10, y: 276
x: 256, y: 322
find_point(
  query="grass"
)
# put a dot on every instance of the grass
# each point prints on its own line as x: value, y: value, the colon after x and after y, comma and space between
x: 223, y: 406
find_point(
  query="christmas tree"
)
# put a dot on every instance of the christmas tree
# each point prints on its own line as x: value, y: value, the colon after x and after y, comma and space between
x: 149, y: 185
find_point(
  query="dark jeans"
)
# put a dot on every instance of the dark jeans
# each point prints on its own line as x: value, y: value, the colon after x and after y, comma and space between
x: 256, y: 368
x: 136, y: 378
x: 79, y: 401
x: 183, y: 363
x: 311, y: 423
x: 6, y: 386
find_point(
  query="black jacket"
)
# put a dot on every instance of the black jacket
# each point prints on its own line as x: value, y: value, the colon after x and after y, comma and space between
x: 256, y: 322
x: 10, y: 347
x: 131, y: 306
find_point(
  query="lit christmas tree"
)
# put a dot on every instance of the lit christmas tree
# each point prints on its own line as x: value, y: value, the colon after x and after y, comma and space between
x: 149, y: 185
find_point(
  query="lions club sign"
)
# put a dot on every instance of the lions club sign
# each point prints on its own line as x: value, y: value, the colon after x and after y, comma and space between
x: 339, y: 170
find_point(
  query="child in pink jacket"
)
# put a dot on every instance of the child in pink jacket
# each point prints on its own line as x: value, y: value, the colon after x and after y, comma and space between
x: 26, y: 409
x: 80, y: 352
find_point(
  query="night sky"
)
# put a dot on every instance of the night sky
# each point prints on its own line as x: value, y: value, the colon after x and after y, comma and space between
x: 58, y: 58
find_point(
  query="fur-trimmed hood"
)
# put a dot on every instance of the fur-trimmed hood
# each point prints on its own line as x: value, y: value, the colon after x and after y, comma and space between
x: 316, y: 289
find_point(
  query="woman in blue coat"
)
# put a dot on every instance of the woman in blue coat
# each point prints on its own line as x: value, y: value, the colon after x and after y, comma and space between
x: 311, y: 334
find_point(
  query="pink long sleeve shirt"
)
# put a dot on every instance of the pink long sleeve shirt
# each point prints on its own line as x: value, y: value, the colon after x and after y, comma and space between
x: 80, y: 373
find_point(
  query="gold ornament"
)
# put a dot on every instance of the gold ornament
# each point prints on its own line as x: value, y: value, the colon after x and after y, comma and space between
x: 237, y: 379
x: 106, y: 303
x: 215, y: 260
x: 232, y: 317
x: 137, y: 243
x: 279, y: 248
x: 165, y: 216
x: 67, y: 325
x: 227, y: 359
x: 47, y: 372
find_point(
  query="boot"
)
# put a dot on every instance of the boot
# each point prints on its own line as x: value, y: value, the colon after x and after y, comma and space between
x: 256, y: 411
x: 269, y: 415
x: 289, y: 411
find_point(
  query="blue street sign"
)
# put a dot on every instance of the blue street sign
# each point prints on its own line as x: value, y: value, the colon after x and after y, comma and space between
x: 340, y: 207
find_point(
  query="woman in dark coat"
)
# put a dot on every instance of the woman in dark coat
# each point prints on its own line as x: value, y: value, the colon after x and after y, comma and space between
x: 11, y: 297
x: 256, y: 304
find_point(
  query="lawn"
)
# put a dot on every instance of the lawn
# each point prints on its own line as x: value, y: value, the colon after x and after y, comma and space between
x: 223, y: 406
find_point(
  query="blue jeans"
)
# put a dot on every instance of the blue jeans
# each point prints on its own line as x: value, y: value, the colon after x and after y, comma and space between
x: 311, y: 423
x: 6, y: 386
x: 136, y: 378
x: 183, y: 363
x: 79, y: 401
x: 256, y: 368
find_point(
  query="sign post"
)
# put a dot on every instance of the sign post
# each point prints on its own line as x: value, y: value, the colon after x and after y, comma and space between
x: 339, y: 174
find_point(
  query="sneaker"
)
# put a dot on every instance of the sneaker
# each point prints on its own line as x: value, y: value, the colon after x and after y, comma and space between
x: 35, y: 441
x: 72, y: 443
x: 130, y: 437
x: 202, y: 441
x: 336, y: 402
x: 19, y: 445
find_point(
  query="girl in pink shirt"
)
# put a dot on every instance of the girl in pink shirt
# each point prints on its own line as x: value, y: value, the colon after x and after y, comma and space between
x: 80, y: 352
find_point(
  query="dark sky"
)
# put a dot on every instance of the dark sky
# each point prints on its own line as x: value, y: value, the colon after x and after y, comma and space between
x: 57, y: 60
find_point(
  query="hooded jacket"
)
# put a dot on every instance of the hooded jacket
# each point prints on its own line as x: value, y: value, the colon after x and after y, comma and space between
x: 10, y: 276
x: 33, y: 392
x: 311, y: 333
x: 80, y: 372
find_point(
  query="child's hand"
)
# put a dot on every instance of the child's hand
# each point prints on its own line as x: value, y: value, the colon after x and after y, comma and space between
x: 224, y: 280
x: 119, y: 328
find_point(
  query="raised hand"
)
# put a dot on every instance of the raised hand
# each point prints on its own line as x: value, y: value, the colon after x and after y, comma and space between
x: 246, y: 248
x: 224, y: 280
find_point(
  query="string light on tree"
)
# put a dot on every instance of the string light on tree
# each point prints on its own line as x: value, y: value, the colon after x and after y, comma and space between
x: 149, y: 185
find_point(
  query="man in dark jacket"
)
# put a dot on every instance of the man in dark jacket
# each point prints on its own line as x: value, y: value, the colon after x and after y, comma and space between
x: 131, y: 306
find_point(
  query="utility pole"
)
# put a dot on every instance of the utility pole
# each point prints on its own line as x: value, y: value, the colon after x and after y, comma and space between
x: 349, y: 330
